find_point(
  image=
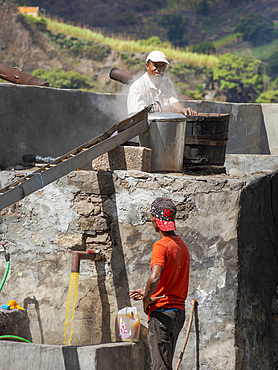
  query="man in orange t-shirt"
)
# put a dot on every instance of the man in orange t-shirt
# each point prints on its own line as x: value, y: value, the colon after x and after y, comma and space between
x: 167, y: 286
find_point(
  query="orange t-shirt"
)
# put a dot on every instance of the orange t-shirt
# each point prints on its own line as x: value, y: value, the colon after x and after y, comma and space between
x: 172, y: 254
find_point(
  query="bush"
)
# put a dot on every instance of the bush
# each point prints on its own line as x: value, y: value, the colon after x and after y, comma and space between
x: 204, y: 47
x: 183, y: 89
x: 181, y: 71
x: 240, y: 79
x: 81, y: 48
x: 270, y: 96
x: 176, y: 26
x: 256, y: 29
x: 77, y: 48
x: 28, y: 21
x: 63, y: 80
x: 96, y: 51
x: 272, y: 65
x: 203, y: 8
x: 152, y: 41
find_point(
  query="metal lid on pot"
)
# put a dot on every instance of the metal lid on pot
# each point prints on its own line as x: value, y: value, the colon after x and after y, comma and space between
x: 166, y: 116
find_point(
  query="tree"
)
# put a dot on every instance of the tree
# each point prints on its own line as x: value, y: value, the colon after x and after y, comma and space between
x: 203, y: 8
x: 240, y: 79
x: 204, y: 47
x: 176, y: 25
x: 63, y: 80
x: 270, y: 96
x: 256, y: 29
x: 272, y: 66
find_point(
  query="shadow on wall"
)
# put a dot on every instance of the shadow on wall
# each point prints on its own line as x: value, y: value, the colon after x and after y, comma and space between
x: 265, y: 149
x: 71, y: 359
x: 105, y: 322
x: 197, y: 336
x: 118, y: 267
x: 120, y: 279
x: 33, y: 301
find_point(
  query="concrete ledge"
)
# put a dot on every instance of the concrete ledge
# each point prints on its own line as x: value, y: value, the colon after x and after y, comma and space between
x: 14, y: 322
x: 250, y: 163
x: 116, y: 356
x: 124, y: 158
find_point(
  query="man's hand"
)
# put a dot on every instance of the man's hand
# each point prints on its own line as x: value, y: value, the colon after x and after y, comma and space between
x: 137, y: 294
x: 189, y: 112
x: 179, y: 108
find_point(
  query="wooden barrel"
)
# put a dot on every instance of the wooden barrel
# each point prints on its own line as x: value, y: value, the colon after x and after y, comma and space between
x: 206, y: 137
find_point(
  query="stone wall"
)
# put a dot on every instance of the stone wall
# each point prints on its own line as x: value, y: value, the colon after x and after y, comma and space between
x: 229, y: 224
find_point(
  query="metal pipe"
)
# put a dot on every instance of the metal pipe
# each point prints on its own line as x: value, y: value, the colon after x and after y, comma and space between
x: 81, y: 255
x: 7, y: 257
x: 121, y: 76
x: 126, y: 78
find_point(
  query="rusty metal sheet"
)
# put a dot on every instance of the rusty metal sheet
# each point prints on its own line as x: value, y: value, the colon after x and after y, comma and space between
x: 16, y: 76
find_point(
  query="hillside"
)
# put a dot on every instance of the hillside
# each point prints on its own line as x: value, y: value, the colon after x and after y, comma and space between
x: 193, y: 20
x: 73, y: 57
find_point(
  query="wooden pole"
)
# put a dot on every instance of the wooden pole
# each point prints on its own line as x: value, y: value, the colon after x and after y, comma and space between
x: 193, y: 302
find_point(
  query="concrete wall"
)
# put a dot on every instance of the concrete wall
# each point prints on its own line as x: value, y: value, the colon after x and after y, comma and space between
x: 252, y: 128
x: 249, y: 163
x: 117, y: 356
x: 47, y: 121
x: 270, y: 121
x: 110, y: 212
x: 51, y: 122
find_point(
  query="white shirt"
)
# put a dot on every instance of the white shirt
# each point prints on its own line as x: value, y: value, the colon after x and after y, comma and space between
x: 143, y: 92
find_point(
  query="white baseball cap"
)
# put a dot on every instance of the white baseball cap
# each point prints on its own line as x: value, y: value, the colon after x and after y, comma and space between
x: 157, y: 56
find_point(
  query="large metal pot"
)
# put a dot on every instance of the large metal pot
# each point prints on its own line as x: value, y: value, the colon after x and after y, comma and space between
x: 166, y: 139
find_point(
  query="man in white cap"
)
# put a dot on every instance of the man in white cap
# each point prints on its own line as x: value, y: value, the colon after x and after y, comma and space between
x: 153, y: 88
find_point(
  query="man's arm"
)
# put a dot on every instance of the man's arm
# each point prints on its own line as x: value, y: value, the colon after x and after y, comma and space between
x: 178, y: 108
x: 151, y: 286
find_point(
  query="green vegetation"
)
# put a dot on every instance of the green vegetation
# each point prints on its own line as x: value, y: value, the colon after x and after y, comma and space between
x: 81, y: 48
x: 240, y: 79
x: 64, y: 80
x: 135, y: 64
x: 227, y: 41
x: 256, y: 29
x: 272, y: 66
x: 176, y: 26
x: 204, y: 47
x: 270, y: 96
x: 236, y: 78
x: 29, y: 21
x: 264, y: 52
x: 130, y: 45
x: 203, y: 8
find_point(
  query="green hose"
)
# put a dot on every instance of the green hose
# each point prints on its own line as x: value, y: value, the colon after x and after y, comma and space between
x: 14, y: 337
x: 5, y: 275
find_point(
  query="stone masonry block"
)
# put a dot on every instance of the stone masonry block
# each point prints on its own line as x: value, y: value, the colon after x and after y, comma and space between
x: 124, y: 158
